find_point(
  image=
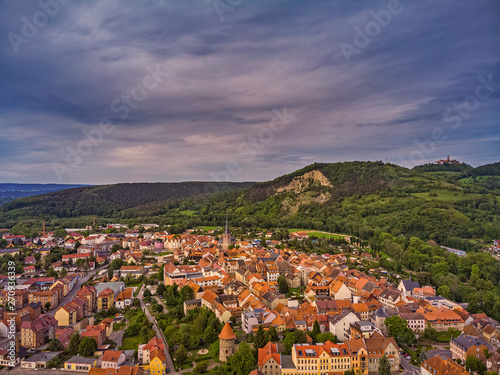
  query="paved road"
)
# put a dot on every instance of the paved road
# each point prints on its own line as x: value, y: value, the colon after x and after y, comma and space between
x: 436, y: 352
x: 6, y: 342
x: 75, y: 289
x: 117, y: 337
x: 408, y: 368
x: 159, y: 334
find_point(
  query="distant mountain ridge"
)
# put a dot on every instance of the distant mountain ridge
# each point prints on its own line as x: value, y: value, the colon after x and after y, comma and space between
x: 11, y: 191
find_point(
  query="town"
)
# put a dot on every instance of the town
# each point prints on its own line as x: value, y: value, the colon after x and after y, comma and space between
x: 142, y: 301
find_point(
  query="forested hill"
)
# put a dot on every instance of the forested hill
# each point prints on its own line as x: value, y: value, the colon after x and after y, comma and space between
x: 108, y: 200
x: 456, y: 207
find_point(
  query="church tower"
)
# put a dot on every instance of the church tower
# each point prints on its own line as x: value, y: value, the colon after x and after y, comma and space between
x: 226, y: 236
x: 226, y: 343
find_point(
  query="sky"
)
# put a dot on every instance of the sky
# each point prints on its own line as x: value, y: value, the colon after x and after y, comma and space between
x: 100, y: 92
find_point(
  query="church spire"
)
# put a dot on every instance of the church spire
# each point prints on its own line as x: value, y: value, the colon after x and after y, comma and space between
x: 226, y: 230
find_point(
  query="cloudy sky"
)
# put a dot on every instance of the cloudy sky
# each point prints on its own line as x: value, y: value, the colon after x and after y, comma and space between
x: 125, y: 91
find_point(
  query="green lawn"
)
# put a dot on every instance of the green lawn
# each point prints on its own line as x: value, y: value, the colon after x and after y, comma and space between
x: 311, y: 232
x: 187, y: 212
x: 445, y: 195
x: 131, y: 343
x: 469, y: 180
x: 119, y: 326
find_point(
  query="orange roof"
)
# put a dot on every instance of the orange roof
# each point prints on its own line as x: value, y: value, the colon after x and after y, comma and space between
x: 267, y: 352
x: 111, y: 355
x: 227, y: 333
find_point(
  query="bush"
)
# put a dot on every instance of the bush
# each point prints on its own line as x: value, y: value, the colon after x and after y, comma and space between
x: 201, y: 367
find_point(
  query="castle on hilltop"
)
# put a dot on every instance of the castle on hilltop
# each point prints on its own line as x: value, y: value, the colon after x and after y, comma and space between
x: 447, y: 161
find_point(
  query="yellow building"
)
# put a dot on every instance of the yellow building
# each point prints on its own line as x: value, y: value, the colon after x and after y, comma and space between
x: 65, y: 316
x: 105, y: 299
x: 318, y: 359
x: 80, y: 364
x: 158, y: 363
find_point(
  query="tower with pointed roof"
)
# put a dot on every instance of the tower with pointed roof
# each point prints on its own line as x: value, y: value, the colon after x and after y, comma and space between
x: 226, y: 236
x: 227, y: 340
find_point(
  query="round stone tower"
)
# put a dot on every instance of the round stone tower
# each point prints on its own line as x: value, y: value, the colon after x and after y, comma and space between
x: 226, y: 342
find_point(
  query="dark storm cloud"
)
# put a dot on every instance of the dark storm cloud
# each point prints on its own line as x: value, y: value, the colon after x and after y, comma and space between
x: 220, y: 81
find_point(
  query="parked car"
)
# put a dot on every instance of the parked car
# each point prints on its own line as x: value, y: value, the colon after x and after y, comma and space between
x: 168, y: 370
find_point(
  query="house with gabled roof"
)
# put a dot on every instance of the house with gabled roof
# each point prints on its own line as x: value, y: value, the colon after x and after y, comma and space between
x: 269, y: 359
x: 112, y: 359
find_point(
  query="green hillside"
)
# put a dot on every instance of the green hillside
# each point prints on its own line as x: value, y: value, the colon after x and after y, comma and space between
x: 453, y: 207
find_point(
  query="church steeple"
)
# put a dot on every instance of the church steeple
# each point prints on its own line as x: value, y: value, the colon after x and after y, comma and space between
x: 226, y: 236
x: 226, y: 230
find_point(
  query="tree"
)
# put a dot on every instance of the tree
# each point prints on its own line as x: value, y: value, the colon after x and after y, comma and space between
x: 260, y: 340
x: 316, y: 330
x: 210, y: 335
x: 181, y: 354
x: 63, y: 274
x: 55, y: 362
x: 52, y: 273
x: 60, y: 233
x: 214, y: 349
x: 430, y: 333
x: 422, y: 356
x: 327, y: 336
x: 186, y: 294
x: 160, y: 290
x: 116, y: 247
x: 398, y: 328
x: 87, y: 347
x: 384, y: 367
x: 201, y: 367
x: 47, y: 306
x: 73, y: 345
x: 295, y: 337
x: 444, y: 291
x: 243, y: 361
x: 55, y: 346
x: 160, y: 273
x: 474, y: 364
x: 146, y: 293
x: 218, y: 370
x: 273, y: 333
x: 282, y: 284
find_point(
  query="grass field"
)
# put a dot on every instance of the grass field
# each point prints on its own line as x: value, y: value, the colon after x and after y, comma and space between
x: 445, y: 195
x: 312, y: 232
x: 443, y: 173
x: 187, y: 212
x: 205, y: 228
x: 469, y: 180
x: 131, y: 343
